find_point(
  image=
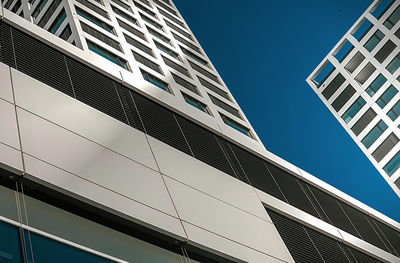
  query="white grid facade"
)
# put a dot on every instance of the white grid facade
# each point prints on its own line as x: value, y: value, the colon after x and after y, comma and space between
x: 366, y: 59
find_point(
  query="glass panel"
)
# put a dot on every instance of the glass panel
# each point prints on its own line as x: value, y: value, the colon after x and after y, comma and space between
x: 155, y: 81
x: 387, y: 96
x: 394, y: 112
x: 195, y: 103
x: 344, y: 51
x: 393, y: 19
x: 235, y: 125
x: 45, y: 250
x: 374, y: 134
x: 381, y: 8
x: 392, y: 166
x: 363, y: 29
x: 325, y: 72
x: 374, y: 40
x: 394, y: 64
x: 104, y: 53
x: 57, y: 23
x: 376, y: 85
x: 353, y: 110
x: 10, y: 245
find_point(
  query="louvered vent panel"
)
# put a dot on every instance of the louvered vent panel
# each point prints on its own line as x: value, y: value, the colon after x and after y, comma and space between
x: 363, y: 226
x: 95, y: 90
x: 257, y: 172
x: 233, y: 160
x: 205, y: 146
x: 292, y: 190
x: 335, y: 214
x: 363, y: 258
x: 41, y: 62
x: 6, y: 48
x: 307, y: 188
x: 160, y: 123
x: 328, y: 248
x: 392, y: 237
x: 129, y: 106
x: 296, y: 239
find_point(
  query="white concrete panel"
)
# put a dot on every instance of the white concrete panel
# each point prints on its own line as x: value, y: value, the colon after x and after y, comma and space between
x: 205, y: 178
x: 368, y: 248
x: 5, y: 83
x: 10, y: 158
x: 227, y: 221
x: 101, y: 197
x: 8, y: 120
x: 67, y: 112
x: 228, y: 248
x: 92, y: 162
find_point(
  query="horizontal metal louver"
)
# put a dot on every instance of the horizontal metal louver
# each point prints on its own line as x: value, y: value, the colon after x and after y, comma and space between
x: 239, y: 173
x: 95, y: 90
x: 6, y: 48
x: 204, y: 145
x: 41, y: 62
x: 160, y: 123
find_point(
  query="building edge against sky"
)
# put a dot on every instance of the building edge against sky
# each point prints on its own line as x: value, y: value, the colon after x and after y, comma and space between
x: 359, y: 82
x: 87, y: 145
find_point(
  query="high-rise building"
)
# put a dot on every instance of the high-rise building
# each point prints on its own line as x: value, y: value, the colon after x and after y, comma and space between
x: 119, y: 142
x: 359, y: 82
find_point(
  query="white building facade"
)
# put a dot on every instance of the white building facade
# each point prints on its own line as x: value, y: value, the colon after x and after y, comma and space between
x: 359, y: 82
x: 121, y: 143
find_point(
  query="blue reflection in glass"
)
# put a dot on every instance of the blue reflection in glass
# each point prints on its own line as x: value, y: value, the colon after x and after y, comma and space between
x: 10, y: 246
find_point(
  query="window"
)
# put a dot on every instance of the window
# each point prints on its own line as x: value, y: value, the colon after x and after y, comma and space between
x: 171, y: 10
x: 147, y: 62
x: 151, y: 22
x: 58, y: 22
x: 106, y: 54
x: 387, y: 96
x: 365, y: 73
x: 353, y: 110
x: 132, y: 30
x: 398, y: 183
x: 376, y: 85
x: 67, y: 32
x: 394, y: 112
x: 381, y: 8
x: 333, y: 86
x: 172, y: 18
x: 225, y: 106
x: 362, y: 29
x: 386, y: 146
x: 187, y: 43
x: 374, y: 134
x: 139, y: 45
x: 393, y: 165
x: 393, y: 18
x: 374, y: 40
x: 178, y: 29
x: 195, y: 57
x: 100, y: 36
x: 177, y: 67
x: 354, y: 62
x: 159, y: 36
x: 146, y: 10
x: 38, y: 8
x: 167, y: 50
x: 240, y: 128
x: 49, y: 12
x: 155, y: 81
x: 394, y: 64
x: 95, y: 20
x: 323, y: 73
x: 204, y: 72
x: 342, y: 99
x: 195, y: 103
x: 214, y: 88
x: 94, y: 8
x: 124, y: 15
x: 385, y: 51
x: 10, y: 244
x: 123, y: 5
x: 363, y: 122
x: 185, y: 84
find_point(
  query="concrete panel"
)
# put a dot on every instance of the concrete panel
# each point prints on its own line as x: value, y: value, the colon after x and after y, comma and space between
x: 67, y: 112
x: 368, y: 248
x: 215, y: 216
x: 228, y: 248
x: 205, y: 178
x: 94, y: 163
x: 5, y: 83
x: 10, y: 158
x: 101, y: 197
x: 8, y: 120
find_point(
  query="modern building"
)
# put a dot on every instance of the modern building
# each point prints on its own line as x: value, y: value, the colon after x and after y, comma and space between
x: 119, y: 142
x: 359, y: 82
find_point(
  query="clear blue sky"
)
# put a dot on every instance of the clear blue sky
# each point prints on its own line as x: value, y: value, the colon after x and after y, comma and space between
x: 264, y: 50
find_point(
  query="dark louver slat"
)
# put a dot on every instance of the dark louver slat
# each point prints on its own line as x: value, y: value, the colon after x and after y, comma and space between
x: 41, y: 62
x: 6, y: 48
x: 257, y: 172
x: 95, y: 90
x: 129, y: 107
x: 292, y: 190
x: 233, y: 160
x: 392, y: 237
x: 205, y: 146
x: 160, y: 123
